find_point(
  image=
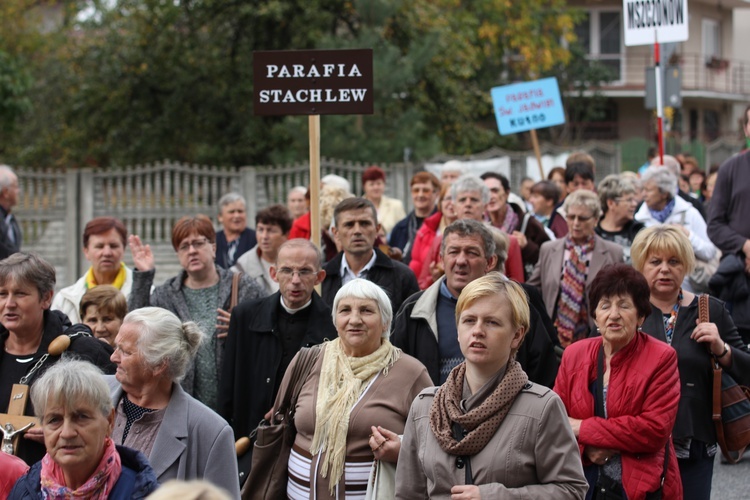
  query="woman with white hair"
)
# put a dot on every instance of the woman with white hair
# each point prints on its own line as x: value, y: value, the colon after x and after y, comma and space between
x: 181, y: 437
x: 354, y: 403
x: 567, y: 267
x: 72, y: 401
x: 661, y: 205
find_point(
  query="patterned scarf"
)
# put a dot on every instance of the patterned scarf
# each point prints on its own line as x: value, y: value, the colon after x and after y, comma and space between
x: 343, y: 379
x: 572, y: 312
x: 117, y: 283
x: 481, y: 422
x: 98, y: 486
x: 664, y: 213
x: 511, y: 220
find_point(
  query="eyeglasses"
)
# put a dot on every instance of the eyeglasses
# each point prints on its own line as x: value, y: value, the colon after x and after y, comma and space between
x: 197, y: 244
x: 631, y: 201
x: 579, y: 218
x: 288, y: 272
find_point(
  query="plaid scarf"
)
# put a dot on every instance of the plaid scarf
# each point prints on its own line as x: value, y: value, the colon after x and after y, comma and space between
x: 572, y: 311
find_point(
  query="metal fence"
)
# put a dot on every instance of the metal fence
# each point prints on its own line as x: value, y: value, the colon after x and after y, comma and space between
x: 54, y: 206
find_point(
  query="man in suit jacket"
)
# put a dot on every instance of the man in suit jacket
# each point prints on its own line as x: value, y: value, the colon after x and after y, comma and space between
x: 356, y: 228
x: 10, y: 231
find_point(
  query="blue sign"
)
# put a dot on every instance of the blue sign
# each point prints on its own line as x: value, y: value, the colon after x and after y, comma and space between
x: 530, y: 105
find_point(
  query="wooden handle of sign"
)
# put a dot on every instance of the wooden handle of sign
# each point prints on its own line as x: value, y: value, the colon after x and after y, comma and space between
x: 537, y: 152
x: 314, y: 134
x: 59, y: 345
x: 242, y: 445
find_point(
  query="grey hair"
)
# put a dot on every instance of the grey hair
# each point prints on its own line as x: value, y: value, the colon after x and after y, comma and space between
x: 28, y: 267
x: 612, y: 187
x: 470, y: 182
x: 452, y: 166
x: 302, y: 243
x: 71, y: 381
x: 586, y: 199
x: 337, y: 181
x: 6, y: 176
x: 297, y: 189
x: 195, y: 489
x: 363, y: 289
x: 672, y: 163
x: 664, y: 179
x: 230, y: 198
x: 468, y: 227
x: 165, y: 339
x: 502, y: 242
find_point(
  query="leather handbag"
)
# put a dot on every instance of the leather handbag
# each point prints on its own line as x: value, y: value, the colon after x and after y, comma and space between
x: 730, y: 404
x: 273, y: 440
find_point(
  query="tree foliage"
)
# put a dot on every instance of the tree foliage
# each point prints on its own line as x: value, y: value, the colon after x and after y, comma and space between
x: 141, y: 80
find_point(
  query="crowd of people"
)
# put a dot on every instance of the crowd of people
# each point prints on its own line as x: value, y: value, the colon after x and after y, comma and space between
x: 540, y: 344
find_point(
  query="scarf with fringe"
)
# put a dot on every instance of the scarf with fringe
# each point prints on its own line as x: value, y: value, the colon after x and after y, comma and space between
x: 342, y: 381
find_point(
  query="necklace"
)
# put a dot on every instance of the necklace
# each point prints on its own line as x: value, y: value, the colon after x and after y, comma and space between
x: 669, y: 321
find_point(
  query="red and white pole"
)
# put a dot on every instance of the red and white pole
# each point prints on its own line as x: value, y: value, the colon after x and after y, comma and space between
x: 659, y: 111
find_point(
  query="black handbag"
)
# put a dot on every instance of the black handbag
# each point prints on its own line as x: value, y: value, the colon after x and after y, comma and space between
x: 273, y: 440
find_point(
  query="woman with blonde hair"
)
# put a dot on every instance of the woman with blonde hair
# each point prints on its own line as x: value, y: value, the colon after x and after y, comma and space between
x: 487, y: 431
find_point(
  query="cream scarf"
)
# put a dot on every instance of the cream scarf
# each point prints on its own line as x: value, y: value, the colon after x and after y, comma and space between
x: 342, y: 381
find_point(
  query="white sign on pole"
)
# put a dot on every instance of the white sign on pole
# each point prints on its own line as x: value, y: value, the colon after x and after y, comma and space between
x: 643, y: 18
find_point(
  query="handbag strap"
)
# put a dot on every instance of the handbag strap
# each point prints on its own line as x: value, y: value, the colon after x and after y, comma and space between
x: 599, y: 396
x: 703, y: 317
x: 525, y: 222
x: 599, y: 389
x: 235, y: 296
x: 302, y: 368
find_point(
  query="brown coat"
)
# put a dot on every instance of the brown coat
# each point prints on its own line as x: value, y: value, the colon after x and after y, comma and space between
x: 533, y: 454
x: 386, y: 403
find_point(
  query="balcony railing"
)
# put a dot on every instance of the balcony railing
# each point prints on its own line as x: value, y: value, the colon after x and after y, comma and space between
x: 725, y: 76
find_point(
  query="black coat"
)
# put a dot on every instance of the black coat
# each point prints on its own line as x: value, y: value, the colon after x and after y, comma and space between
x: 536, y: 354
x: 83, y: 346
x: 247, y: 241
x: 694, y: 364
x: 253, y: 351
x: 395, y: 278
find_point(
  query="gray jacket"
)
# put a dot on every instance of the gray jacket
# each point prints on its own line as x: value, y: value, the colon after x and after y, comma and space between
x: 169, y: 296
x: 193, y: 442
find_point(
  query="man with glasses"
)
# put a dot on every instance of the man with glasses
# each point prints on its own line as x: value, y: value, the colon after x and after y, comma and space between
x: 265, y: 334
x: 619, y: 202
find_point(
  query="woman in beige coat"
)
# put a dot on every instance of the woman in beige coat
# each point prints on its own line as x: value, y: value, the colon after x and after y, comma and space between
x: 488, y: 432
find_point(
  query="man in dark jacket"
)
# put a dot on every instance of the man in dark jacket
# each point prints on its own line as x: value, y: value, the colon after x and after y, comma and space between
x: 265, y: 334
x: 425, y: 189
x: 356, y: 228
x: 425, y: 327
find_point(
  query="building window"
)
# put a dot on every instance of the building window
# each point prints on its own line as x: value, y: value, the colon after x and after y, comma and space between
x: 599, y: 35
x: 711, y: 40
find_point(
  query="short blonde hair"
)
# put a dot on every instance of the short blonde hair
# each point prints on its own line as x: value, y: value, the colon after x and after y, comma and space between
x: 494, y: 285
x: 664, y: 239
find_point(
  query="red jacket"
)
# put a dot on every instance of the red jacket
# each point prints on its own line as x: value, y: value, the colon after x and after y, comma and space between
x: 423, y: 242
x: 642, y: 398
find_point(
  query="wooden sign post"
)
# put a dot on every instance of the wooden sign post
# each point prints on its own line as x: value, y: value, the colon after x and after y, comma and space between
x: 314, y: 83
x: 15, y: 422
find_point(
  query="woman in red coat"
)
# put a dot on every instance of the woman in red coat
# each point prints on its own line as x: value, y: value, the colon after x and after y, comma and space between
x: 621, y: 391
